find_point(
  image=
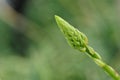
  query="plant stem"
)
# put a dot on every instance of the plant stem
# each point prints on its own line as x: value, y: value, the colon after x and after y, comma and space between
x: 108, y: 69
x: 79, y: 41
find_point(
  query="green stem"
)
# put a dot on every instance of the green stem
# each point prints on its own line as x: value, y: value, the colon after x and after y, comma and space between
x: 108, y: 69
x: 97, y: 59
x: 79, y: 41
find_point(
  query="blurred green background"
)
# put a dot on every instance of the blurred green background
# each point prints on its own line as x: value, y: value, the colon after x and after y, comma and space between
x: 49, y: 57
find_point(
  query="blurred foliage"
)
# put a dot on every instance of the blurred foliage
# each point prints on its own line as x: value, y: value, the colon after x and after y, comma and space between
x: 49, y: 55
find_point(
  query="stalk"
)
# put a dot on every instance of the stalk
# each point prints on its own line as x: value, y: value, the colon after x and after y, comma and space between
x: 79, y: 41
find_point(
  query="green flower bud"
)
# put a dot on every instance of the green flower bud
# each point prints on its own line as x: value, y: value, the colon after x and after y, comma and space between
x: 92, y: 53
x: 75, y: 38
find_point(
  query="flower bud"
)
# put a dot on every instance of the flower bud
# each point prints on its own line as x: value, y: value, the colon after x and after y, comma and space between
x: 75, y: 38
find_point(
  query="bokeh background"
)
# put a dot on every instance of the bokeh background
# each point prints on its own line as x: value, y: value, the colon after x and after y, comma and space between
x: 42, y: 53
